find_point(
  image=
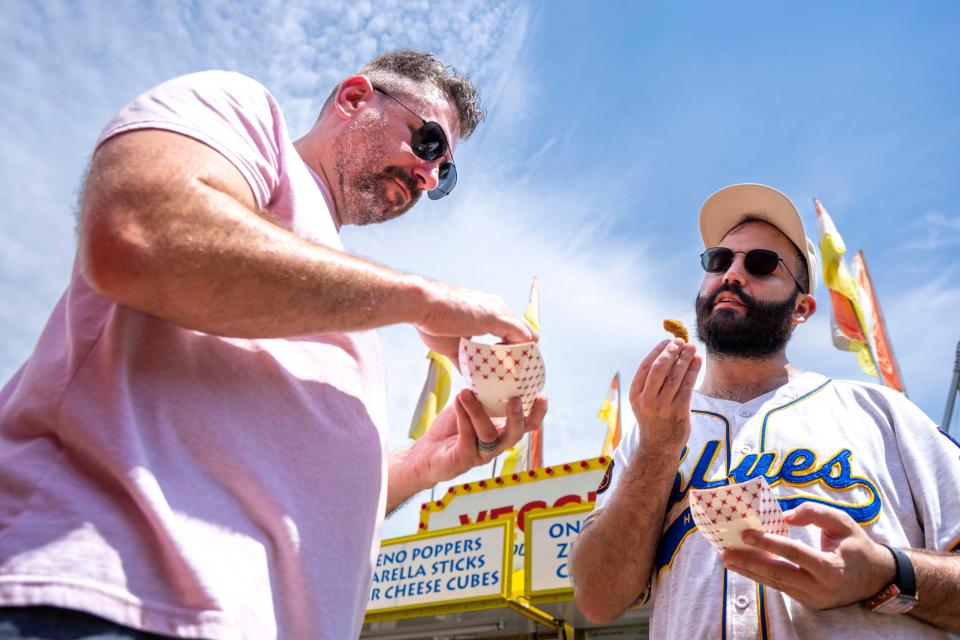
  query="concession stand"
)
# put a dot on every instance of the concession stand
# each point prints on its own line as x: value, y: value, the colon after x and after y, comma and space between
x: 491, y: 559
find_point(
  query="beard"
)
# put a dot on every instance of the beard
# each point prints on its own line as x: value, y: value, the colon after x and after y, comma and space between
x: 366, y: 200
x: 760, y: 331
x: 363, y: 184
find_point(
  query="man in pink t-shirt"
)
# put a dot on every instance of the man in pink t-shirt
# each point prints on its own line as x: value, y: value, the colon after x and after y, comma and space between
x: 197, y: 446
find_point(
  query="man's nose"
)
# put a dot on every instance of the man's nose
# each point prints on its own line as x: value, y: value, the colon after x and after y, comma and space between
x: 736, y: 272
x: 427, y: 174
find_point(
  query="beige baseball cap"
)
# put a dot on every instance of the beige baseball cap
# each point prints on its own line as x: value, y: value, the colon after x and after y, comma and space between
x: 731, y: 205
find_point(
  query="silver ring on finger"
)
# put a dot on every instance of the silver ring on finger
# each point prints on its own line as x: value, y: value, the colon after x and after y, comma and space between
x: 488, y: 447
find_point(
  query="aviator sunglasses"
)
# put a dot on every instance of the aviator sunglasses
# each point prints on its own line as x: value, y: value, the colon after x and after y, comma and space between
x: 429, y: 142
x: 758, y: 262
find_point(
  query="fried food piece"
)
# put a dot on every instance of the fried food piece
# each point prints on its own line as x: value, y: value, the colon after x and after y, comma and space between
x: 676, y: 328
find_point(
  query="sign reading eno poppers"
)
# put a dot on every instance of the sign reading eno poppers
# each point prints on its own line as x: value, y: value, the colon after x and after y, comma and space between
x: 550, y: 536
x: 468, y: 568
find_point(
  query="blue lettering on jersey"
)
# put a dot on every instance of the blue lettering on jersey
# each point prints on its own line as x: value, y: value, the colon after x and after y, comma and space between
x: 799, y: 468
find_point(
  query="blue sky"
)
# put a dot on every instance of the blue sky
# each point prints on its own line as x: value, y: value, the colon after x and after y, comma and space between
x: 609, y: 125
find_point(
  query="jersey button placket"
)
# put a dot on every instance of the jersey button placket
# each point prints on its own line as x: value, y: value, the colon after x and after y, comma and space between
x: 739, y: 448
x: 742, y: 607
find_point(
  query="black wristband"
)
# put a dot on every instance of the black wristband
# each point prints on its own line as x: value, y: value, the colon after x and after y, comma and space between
x: 904, y: 578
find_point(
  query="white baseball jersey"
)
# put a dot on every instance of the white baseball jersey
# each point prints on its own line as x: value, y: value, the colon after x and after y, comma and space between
x: 858, y: 447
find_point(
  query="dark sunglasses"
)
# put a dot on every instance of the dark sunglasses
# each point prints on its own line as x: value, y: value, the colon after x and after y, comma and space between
x: 429, y: 142
x: 758, y: 262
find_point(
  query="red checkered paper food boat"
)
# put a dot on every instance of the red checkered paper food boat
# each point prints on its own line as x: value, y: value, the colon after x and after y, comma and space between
x: 723, y: 513
x: 499, y: 372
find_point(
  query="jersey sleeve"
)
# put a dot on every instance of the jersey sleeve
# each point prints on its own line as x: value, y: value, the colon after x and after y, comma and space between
x: 229, y: 112
x: 611, y: 479
x: 931, y: 462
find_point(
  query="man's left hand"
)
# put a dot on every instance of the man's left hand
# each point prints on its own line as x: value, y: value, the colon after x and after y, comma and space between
x: 450, y: 447
x: 848, y: 568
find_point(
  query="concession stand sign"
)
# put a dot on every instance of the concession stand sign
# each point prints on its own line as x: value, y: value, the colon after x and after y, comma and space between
x: 550, y: 535
x: 460, y: 569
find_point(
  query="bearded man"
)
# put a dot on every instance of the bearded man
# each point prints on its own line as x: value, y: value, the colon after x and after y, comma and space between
x: 868, y: 481
x: 197, y: 447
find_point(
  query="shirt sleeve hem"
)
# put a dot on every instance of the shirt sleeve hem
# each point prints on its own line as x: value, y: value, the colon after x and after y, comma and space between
x: 259, y: 188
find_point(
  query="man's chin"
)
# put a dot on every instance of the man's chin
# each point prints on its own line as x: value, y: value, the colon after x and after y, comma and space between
x: 383, y: 215
x: 399, y: 209
x: 377, y: 208
x: 393, y: 207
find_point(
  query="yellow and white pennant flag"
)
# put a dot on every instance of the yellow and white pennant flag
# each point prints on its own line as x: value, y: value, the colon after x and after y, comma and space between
x: 610, y: 415
x: 434, y: 396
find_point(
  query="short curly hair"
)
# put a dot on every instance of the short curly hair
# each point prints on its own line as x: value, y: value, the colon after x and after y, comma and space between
x: 422, y: 67
x: 395, y: 70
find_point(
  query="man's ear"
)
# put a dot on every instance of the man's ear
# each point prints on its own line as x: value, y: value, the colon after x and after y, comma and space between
x: 352, y: 94
x: 806, y: 306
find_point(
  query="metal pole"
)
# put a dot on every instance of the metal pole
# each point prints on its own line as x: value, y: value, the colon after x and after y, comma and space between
x: 954, y: 390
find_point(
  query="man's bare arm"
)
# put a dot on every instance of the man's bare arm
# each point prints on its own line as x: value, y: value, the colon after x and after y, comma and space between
x: 170, y: 227
x: 613, y: 558
x: 938, y: 585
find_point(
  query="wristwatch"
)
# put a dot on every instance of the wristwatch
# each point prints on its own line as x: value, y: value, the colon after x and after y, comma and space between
x: 900, y: 595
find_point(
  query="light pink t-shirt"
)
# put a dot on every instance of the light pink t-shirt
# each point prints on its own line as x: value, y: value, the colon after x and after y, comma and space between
x: 184, y: 483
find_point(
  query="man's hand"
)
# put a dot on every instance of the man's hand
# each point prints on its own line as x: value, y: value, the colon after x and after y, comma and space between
x: 848, y: 568
x: 661, y: 392
x: 453, y: 312
x: 450, y: 448
x: 451, y: 443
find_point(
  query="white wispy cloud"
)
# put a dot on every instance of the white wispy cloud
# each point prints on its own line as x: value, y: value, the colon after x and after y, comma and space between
x: 935, y: 231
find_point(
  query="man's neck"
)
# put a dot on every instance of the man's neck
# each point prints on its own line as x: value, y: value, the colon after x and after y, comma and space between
x: 743, y: 379
x: 310, y: 151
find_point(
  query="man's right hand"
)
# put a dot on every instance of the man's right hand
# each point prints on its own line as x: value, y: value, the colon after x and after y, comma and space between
x: 661, y: 393
x: 453, y: 312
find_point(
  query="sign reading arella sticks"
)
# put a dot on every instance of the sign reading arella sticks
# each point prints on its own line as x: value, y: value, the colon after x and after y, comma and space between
x: 468, y: 567
x: 550, y: 536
